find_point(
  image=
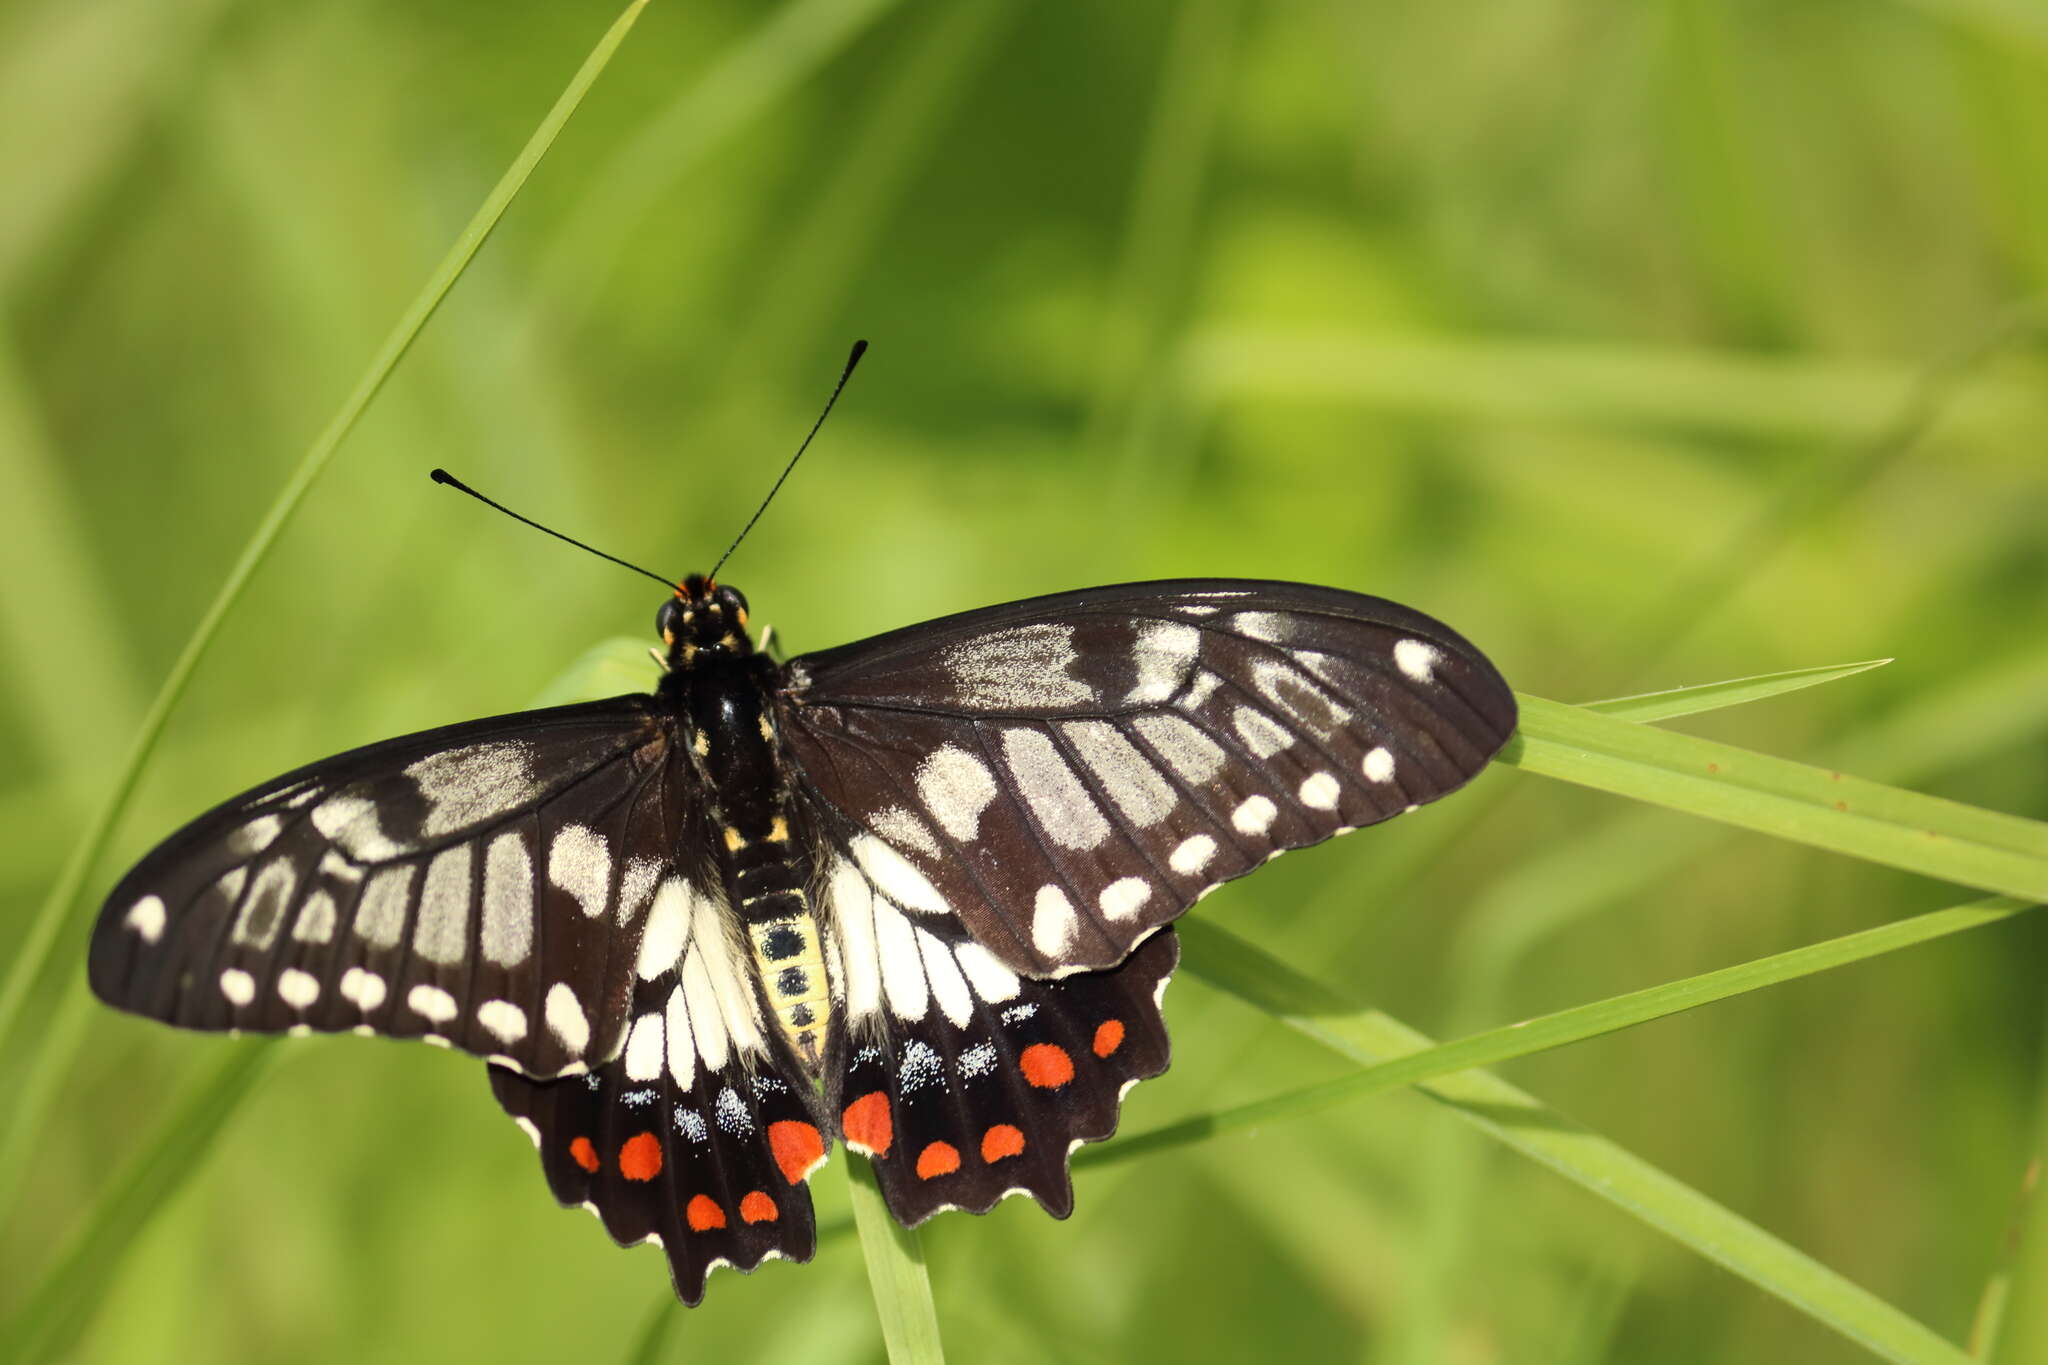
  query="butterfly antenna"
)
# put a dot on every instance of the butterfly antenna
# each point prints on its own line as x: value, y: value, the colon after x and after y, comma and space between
x: 853, y: 358
x: 443, y: 476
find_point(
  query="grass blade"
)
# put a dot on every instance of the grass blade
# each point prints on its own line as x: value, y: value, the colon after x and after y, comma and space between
x: 1936, y: 838
x: 896, y: 1273
x: 1685, y: 701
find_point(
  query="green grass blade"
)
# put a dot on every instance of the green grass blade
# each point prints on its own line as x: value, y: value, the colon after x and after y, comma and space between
x: 34, y: 957
x: 59, y: 1308
x: 1581, y: 1156
x: 1888, y: 825
x: 1685, y: 701
x: 896, y: 1273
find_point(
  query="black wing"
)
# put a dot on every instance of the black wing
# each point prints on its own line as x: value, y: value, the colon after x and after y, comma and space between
x: 483, y: 885
x: 1066, y: 774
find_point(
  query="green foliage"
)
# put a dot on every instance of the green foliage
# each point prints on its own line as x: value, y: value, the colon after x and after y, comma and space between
x: 1644, y: 343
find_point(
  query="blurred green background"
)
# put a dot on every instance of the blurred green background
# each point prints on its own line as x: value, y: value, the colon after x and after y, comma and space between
x: 1647, y: 343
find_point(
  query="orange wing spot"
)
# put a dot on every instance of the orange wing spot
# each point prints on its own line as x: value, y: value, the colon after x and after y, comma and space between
x: 757, y: 1207
x: 1046, y: 1065
x: 941, y: 1158
x: 1001, y: 1141
x: 703, y: 1213
x: 584, y: 1154
x: 640, y: 1158
x: 798, y: 1148
x: 867, y: 1124
x: 1109, y: 1036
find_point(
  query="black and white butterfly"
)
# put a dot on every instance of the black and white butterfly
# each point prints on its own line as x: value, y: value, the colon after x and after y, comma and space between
x: 912, y: 894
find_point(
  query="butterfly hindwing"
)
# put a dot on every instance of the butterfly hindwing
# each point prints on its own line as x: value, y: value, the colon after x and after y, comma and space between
x: 1067, y: 774
x: 702, y: 1131
x: 481, y: 884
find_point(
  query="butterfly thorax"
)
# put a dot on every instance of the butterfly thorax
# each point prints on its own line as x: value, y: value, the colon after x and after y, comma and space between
x: 720, y: 691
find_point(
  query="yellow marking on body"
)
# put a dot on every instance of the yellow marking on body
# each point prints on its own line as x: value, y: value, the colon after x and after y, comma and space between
x: 767, y: 729
x: 778, y: 833
x: 734, y: 840
x: 803, y: 1011
x: 702, y: 744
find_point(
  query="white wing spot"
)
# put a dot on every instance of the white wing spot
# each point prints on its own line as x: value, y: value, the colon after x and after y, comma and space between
x: 899, y: 826
x: 1192, y: 854
x: 380, y: 918
x: 1063, y: 806
x: 1123, y: 897
x: 566, y: 1019
x: 645, y: 1047
x: 1052, y: 922
x: 919, y: 1067
x: 1164, y: 653
x: 362, y: 988
x: 350, y: 821
x: 1263, y: 735
x: 263, y: 913
x: 431, y: 1003
x: 507, y: 934
x: 1320, y: 792
x: 732, y: 1113
x: 1268, y: 626
x: 635, y: 884
x: 504, y: 1021
x: 949, y: 988
x: 903, y: 978
x: 1416, y: 659
x: 853, y: 908
x: 1379, y: 765
x: 296, y: 988
x: 682, y: 1047
x: 991, y: 980
x: 1022, y: 669
x: 896, y: 877
x: 956, y: 787
x: 316, y: 919
x: 255, y: 836
x: 238, y: 986
x: 442, y: 932
x: 1254, y: 815
x: 707, y: 1017
x: 1136, y: 787
x: 528, y: 1127
x: 667, y: 930
x: 691, y: 1125
x: 147, y: 918
x: 1186, y: 749
x: 978, y: 1060
x: 580, y: 862
x: 464, y: 787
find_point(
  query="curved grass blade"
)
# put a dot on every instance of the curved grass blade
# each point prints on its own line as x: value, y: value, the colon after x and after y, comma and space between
x: 896, y: 1273
x: 1889, y: 825
x: 1685, y: 701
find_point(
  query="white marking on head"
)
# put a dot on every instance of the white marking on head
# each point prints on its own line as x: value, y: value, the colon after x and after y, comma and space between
x: 380, y: 916
x: 1192, y: 854
x: 646, y: 1048
x: 238, y: 986
x: 1138, y: 789
x: 1052, y: 922
x: 316, y: 919
x: 296, y: 988
x: 441, y: 934
x: 1319, y: 791
x: 431, y: 1003
x: 580, y: 862
x: 566, y: 1020
x: 464, y: 787
x: 1055, y: 794
x: 896, y: 877
x: 956, y: 787
x: 1263, y: 735
x: 503, y: 1020
x: 506, y: 937
x: 991, y: 980
x: 362, y: 988
x: 1022, y: 669
x: 263, y: 912
x: 853, y: 910
x: 903, y: 978
x: 349, y: 819
x: 147, y: 918
x: 899, y: 826
x: 1162, y: 656
x: 1416, y: 659
x: 1182, y: 743
x: 682, y: 1045
x: 1254, y: 815
x: 949, y: 988
x: 1123, y: 897
x: 1379, y: 765
x: 666, y: 931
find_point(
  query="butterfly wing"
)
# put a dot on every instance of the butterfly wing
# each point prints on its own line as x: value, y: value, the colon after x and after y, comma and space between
x: 481, y: 884
x: 1064, y: 775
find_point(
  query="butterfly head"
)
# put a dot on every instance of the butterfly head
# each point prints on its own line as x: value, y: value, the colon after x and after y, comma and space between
x: 703, y: 618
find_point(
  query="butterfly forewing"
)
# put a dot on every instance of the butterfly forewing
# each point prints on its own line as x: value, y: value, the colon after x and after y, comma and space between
x: 481, y: 884
x: 1067, y: 774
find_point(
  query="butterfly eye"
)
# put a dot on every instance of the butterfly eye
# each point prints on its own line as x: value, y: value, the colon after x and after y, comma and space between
x: 737, y: 600
x: 668, y: 620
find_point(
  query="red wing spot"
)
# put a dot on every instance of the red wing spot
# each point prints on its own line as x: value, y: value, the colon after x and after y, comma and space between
x: 584, y: 1154
x: 757, y: 1207
x: 640, y: 1158
x: 1001, y: 1141
x: 941, y: 1158
x: 798, y: 1148
x: 1046, y: 1065
x: 866, y: 1123
x: 703, y: 1214
x: 1109, y: 1036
